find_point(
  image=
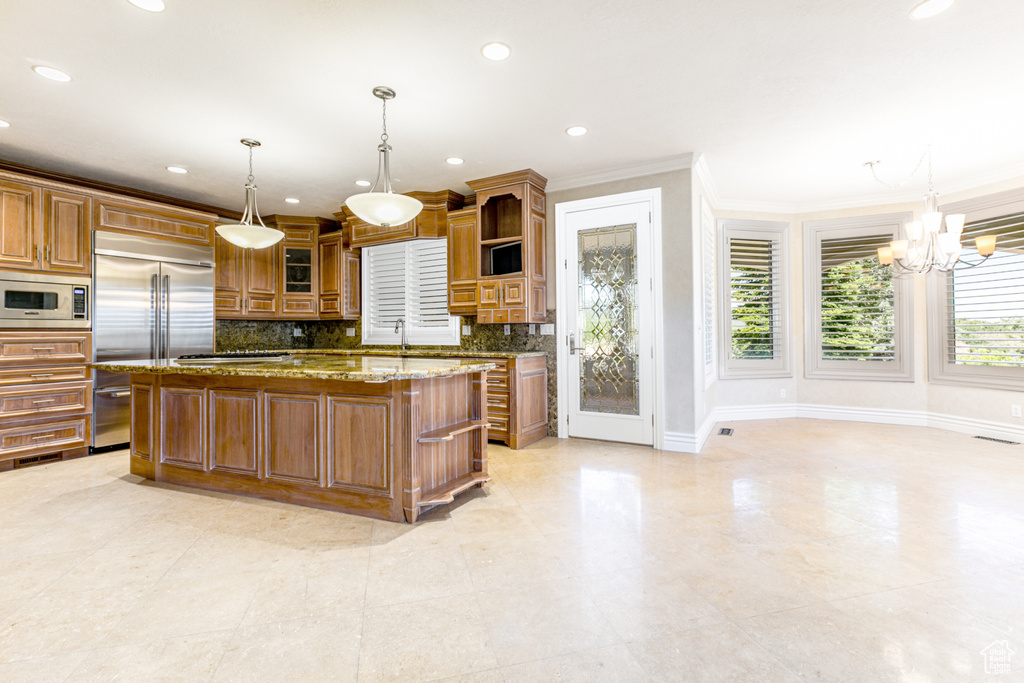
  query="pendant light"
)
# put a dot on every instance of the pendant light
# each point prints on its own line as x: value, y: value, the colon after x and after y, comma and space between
x: 244, y: 233
x: 384, y: 208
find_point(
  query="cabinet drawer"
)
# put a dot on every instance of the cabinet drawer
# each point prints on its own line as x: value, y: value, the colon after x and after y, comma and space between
x: 484, y: 316
x: 298, y: 306
x: 44, y: 348
x: 499, y: 426
x: 68, y: 373
x: 500, y: 315
x: 517, y: 315
x: 24, y: 440
x: 37, y: 401
x: 497, y: 381
x: 498, y: 401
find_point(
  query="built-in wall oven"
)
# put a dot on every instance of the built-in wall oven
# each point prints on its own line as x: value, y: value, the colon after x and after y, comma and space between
x: 44, y: 300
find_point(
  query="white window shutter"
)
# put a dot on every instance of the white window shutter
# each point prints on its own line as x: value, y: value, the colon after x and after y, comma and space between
x: 407, y: 281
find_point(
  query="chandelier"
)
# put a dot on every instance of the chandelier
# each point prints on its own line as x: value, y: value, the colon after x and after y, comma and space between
x: 927, y: 247
x: 384, y: 208
x: 244, y: 233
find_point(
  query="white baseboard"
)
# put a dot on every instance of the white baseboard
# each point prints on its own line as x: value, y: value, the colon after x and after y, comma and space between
x: 682, y: 442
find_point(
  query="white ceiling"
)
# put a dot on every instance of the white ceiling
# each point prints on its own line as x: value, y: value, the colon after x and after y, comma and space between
x: 784, y: 98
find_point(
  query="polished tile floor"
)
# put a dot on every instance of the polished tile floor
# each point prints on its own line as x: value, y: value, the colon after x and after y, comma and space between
x: 793, y: 550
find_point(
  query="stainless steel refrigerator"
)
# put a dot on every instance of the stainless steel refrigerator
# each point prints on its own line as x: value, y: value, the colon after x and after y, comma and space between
x: 152, y: 299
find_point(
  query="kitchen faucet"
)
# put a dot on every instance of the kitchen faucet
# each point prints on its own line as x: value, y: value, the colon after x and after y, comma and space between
x: 400, y: 323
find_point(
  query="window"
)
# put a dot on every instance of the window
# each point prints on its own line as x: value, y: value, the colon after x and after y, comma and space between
x: 858, y: 315
x: 707, y: 222
x: 407, y: 281
x: 977, y: 313
x: 753, y: 279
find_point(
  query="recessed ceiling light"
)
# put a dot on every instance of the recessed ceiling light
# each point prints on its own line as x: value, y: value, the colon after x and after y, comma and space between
x: 496, y: 51
x: 291, y: 200
x: 576, y: 131
x: 149, y: 5
x: 454, y: 161
x: 929, y: 8
x: 51, y: 73
x: 177, y: 169
x: 4, y: 124
x: 363, y: 183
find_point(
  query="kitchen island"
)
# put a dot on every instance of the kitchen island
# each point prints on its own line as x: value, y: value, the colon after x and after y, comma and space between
x: 383, y: 437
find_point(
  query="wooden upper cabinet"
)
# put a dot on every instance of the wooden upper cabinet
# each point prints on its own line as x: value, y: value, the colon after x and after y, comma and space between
x: 154, y: 220
x: 431, y: 222
x: 261, y: 273
x: 462, y: 262
x: 352, y: 302
x: 228, y: 279
x: 511, y: 247
x: 67, y: 232
x: 20, y: 238
x: 339, y: 290
x: 297, y: 255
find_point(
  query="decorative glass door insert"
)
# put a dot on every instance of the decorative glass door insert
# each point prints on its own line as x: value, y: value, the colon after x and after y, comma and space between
x: 607, y: 320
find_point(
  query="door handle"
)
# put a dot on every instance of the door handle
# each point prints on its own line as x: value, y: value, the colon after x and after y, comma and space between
x: 572, y: 344
x: 154, y: 297
x: 167, y: 317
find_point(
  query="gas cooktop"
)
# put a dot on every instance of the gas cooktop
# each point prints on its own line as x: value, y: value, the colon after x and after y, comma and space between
x: 233, y: 357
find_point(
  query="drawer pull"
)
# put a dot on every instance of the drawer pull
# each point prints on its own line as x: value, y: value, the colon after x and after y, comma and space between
x: 43, y: 348
x: 43, y: 374
x: 44, y: 436
x: 44, y: 400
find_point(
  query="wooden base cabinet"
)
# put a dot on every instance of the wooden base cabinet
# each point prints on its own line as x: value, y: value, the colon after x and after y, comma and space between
x: 45, y: 396
x: 517, y: 400
x: 385, y: 450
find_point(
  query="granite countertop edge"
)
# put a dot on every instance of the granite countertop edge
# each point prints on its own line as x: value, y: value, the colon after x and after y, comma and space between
x: 424, y: 353
x: 271, y: 369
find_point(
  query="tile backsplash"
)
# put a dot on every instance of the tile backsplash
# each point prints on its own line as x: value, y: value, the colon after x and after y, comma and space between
x: 235, y: 335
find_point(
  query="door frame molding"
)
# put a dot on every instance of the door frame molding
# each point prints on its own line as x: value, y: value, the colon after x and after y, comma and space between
x: 652, y: 197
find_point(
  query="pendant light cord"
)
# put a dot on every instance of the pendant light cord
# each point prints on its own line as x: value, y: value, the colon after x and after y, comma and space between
x: 384, y: 118
x: 251, y: 176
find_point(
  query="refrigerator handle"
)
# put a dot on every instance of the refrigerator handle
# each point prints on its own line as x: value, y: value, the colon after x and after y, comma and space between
x: 167, y: 317
x: 154, y: 328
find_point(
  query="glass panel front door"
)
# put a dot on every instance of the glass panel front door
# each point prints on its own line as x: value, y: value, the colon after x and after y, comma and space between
x: 607, y: 320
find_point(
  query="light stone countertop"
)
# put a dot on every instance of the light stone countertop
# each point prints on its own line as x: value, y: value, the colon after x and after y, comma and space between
x: 421, y: 353
x: 352, y: 368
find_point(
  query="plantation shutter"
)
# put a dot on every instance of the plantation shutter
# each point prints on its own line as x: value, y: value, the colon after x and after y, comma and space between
x: 857, y: 317
x: 708, y: 263
x: 984, y: 310
x: 407, y: 281
x: 757, y: 307
x: 428, y: 317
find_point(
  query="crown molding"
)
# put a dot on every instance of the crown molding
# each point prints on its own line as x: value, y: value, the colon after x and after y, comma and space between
x: 571, y: 182
x: 703, y: 173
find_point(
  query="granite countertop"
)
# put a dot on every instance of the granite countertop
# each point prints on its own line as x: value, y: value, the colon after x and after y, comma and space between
x: 351, y: 367
x: 425, y: 353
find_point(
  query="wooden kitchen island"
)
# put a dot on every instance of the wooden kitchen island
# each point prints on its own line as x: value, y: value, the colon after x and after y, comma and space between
x: 383, y: 437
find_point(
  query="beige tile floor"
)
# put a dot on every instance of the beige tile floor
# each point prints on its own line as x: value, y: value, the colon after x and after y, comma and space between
x: 793, y: 550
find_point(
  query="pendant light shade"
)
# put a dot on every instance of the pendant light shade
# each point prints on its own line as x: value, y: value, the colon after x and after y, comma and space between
x: 244, y: 233
x: 384, y: 208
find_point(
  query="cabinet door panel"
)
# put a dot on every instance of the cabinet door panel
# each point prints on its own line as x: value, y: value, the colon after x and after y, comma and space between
x: 514, y: 293
x: 287, y: 457
x: 487, y: 294
x: 261, y: 271
x: 352, y: 299
x: 182, y: 422
x: 227, y: 277
x: 359, y: 455
x: 67, y: 230
x: 19, y: 225
x: 234, y: 430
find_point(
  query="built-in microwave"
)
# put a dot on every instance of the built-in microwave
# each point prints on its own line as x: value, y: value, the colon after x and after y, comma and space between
x: 43, y: 300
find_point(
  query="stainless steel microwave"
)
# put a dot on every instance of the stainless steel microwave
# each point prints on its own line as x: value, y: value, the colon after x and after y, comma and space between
x: 44, y: 300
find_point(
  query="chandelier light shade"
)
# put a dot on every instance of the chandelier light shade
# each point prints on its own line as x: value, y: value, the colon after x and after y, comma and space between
x: 245, y: 233
x: 384, y: 208
x: 927, y: 247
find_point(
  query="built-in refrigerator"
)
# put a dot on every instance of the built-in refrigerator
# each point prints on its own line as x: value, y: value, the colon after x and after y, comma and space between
x: 152, y: 299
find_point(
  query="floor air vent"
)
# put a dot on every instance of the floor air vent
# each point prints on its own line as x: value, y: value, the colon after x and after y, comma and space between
x: 989, y: 438
x: 725, y: 431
